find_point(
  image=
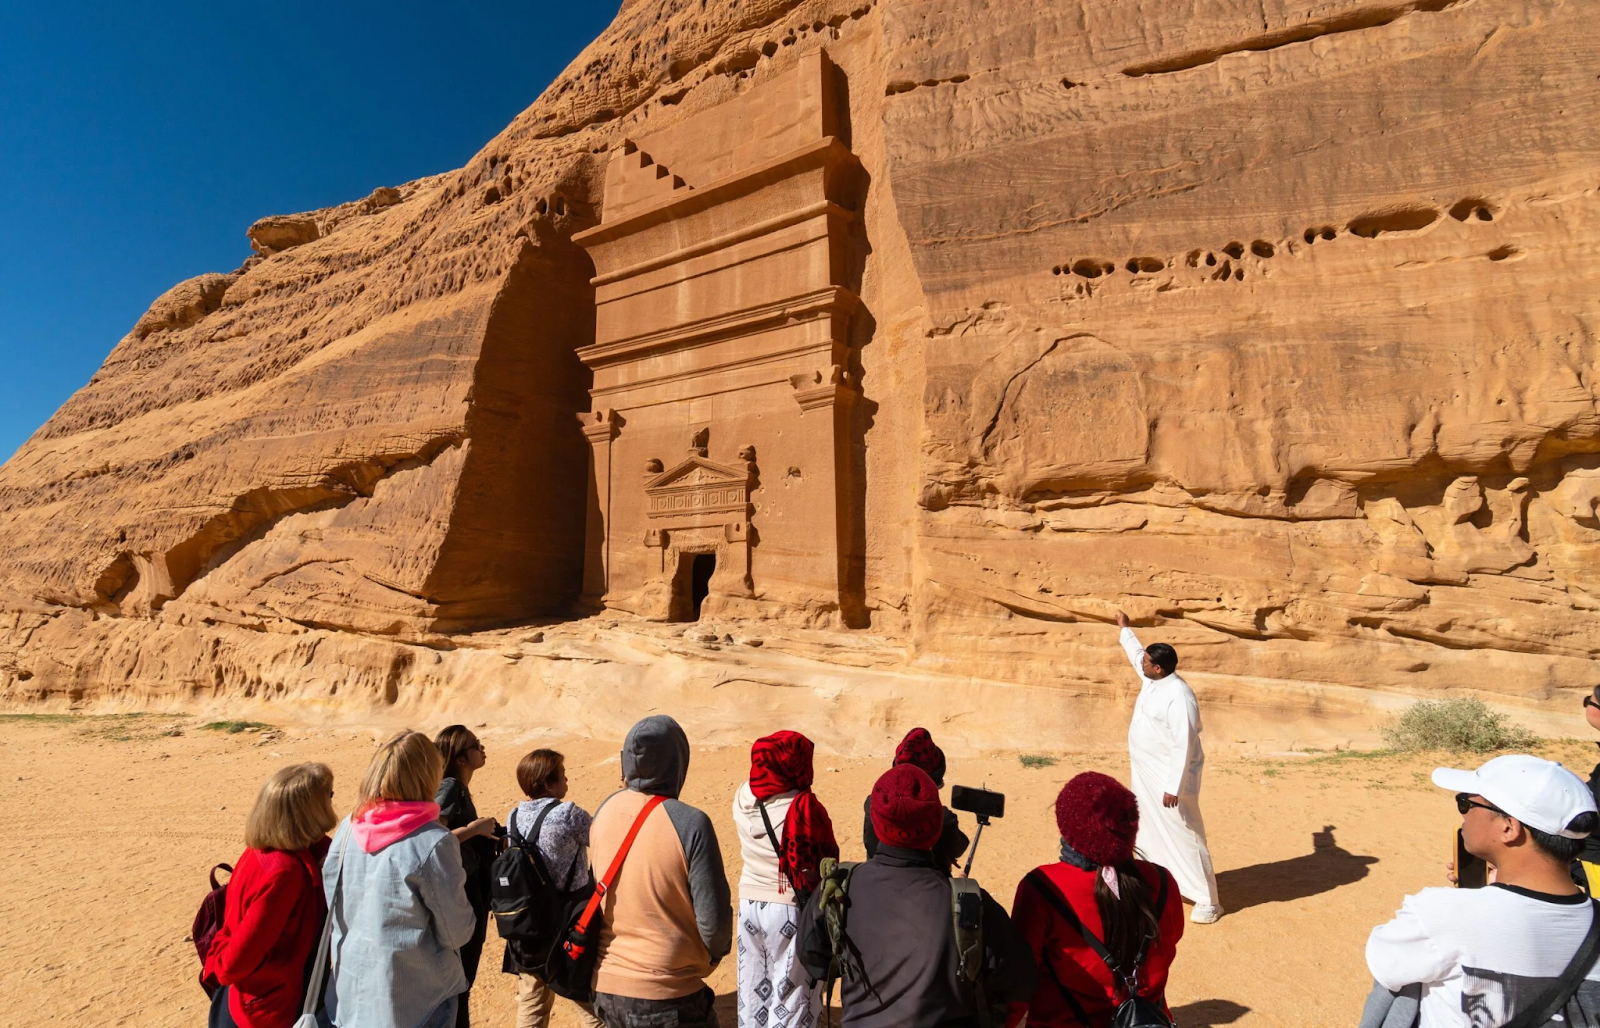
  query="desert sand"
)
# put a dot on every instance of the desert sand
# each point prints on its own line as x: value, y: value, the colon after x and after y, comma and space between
x: 119, y: 817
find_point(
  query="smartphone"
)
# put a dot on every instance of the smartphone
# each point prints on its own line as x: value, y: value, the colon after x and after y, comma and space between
x: 978, y: 801
x: 1471, y: 872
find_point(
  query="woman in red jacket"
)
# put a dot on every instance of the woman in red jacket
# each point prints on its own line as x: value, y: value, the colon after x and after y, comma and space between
x: 275, y: 905
x: 1130, y: 907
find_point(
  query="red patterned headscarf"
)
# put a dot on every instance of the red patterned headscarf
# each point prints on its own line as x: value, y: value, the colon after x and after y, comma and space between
x: 781, y: 763
x: 918, y: 749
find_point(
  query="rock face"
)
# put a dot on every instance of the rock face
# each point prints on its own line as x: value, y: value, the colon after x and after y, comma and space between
x: 1273, y: 324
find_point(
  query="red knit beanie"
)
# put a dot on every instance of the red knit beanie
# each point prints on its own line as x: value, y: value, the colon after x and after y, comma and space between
x: 1098, y: 817
x: 906, y: 811
x: 919, y: 748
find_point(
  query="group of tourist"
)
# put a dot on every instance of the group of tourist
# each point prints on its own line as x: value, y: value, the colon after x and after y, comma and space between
x: 1089, y: 937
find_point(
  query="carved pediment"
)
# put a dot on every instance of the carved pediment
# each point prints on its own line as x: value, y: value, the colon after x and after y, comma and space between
x: 699, y: 487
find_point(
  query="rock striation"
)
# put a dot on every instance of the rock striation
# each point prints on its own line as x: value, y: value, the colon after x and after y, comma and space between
x: 947, y: 326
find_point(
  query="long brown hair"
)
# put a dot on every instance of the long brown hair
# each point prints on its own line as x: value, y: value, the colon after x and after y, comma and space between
x: 1128, y: 921
x: 454, y: 743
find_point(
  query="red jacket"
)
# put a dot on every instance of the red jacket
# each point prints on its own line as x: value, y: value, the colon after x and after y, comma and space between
x: 272, y: 924
x: 1056, y: 946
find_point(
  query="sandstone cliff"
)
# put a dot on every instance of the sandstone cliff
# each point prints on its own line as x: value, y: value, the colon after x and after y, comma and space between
x: 1272, y: 323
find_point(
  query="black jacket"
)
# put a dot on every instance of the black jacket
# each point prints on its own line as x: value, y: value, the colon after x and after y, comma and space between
x: 948, y: 850
x: 904, y: 954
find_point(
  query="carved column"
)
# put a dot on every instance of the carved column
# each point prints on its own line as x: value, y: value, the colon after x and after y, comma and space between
x: 829, y: 395
x: 600, y: 428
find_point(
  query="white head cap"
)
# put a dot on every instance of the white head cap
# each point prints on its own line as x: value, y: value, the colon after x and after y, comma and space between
x: 1540, y: 793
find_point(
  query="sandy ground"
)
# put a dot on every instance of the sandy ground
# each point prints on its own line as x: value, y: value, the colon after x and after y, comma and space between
x: 118, y: 819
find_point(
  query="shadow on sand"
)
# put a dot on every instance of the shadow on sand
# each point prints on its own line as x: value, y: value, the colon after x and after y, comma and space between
x: 1208, y: 1013
x: 1325, y: 868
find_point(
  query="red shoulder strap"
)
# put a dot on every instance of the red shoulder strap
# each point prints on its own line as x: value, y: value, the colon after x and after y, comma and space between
x: 604, y: 885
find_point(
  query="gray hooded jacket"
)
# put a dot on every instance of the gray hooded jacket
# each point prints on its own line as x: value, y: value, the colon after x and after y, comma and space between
x: 655, y: 762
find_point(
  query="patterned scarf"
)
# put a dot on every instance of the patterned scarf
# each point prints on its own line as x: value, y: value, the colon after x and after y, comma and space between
x: 781, y: 763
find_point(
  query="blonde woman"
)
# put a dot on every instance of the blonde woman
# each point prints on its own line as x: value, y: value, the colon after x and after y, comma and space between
x: 400, y: 914
x: 275, y: 906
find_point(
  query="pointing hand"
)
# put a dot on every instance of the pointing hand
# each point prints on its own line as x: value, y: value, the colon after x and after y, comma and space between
x: 1122, y: 620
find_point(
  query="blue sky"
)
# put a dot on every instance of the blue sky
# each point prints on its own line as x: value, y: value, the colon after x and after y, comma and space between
x: 138, y: 141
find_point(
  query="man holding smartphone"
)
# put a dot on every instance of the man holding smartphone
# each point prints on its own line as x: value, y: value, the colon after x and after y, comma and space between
x: 1485, y: 956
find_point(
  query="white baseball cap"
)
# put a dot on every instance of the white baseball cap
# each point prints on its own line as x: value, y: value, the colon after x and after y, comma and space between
x: 1540, y: 793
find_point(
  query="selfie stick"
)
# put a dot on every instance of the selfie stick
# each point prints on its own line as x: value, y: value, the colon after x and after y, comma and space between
x: 983, y: 820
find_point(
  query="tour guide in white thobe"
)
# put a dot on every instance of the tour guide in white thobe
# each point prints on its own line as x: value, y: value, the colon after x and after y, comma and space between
x: 1164, y: 748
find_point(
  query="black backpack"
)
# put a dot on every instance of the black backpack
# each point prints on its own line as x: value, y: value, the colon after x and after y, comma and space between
x: 530, y: 908
x: 1133, y: 1012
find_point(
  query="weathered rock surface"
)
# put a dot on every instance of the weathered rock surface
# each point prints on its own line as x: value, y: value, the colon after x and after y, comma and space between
x: 1275, y: 325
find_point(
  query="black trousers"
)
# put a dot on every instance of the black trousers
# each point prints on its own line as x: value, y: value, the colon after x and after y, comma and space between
x: 696, y: 1010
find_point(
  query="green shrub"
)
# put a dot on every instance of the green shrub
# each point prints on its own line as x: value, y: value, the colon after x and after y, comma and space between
x: 1035, y: 760
x: 1460, y: 723
x: 235, y: 727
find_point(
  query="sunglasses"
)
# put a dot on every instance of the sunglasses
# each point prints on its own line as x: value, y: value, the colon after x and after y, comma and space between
x: 1465, y: 802
x: 1588, y: 701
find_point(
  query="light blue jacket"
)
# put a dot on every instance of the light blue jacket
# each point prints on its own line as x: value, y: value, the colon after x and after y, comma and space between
x: 399, y: 925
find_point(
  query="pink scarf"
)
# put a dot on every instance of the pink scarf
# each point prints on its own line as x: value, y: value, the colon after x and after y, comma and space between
x: 388, y: 821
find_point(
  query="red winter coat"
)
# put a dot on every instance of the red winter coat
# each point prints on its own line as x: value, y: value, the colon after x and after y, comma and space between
x: 272, y: 924
x: 1054, y: 942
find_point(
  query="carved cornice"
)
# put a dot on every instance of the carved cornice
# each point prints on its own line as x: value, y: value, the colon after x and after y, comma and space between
x: 828, y: 301
x: 827, y: 152
x: 722, y: 242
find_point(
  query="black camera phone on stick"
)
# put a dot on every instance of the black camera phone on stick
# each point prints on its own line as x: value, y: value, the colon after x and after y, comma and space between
x: 984, y: 804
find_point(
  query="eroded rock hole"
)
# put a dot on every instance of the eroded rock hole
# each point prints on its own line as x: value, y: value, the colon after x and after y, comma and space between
x: 1263, y: 249
x: 1400, y: 219
x: 1472, y: 207
x: 1088, y: 267
x: 1500, y: 253
x: 1234, y: 250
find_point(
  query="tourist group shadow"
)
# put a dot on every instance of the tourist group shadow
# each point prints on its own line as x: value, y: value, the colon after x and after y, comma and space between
x: 1208, y: 1013
x: 1325, y: 868
x: 1205, y: 1013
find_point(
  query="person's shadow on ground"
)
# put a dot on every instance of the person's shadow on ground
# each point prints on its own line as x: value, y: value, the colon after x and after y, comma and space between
x: 1208, y: 1013
x: 1326, y: 867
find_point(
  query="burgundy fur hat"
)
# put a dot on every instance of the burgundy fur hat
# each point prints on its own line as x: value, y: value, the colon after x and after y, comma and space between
x: 1098, y: 817
x: 906, y: 811
x: 919, y: 748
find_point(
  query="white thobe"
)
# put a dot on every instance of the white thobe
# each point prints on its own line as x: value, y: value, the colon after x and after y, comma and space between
x: 1164, y: 749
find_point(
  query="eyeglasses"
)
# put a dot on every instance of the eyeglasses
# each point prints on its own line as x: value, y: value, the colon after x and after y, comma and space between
x: 1588, y: 701
x: 476, y: 745
x: 1465, y: 802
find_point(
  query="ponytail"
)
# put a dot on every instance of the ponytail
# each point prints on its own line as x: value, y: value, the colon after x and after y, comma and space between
x: 1127, y: 921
